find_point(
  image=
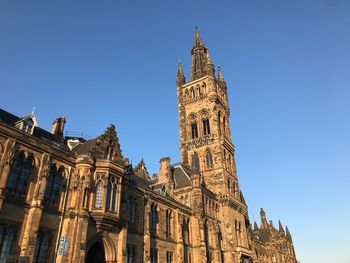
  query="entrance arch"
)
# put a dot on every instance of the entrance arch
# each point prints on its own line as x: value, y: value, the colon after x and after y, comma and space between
x: 96, y: 254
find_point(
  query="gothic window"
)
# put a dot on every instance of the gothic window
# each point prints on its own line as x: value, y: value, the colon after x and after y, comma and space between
x: 130, y: 254
x: 168, y: 223
x: 219, y: 122
x: 98, y: 195
x: 111, y: 200
x: 192, y: 93
x: 153, y: 219
x: 53, y: 184
x: 169, y: 257
x: 194, y: 130
x: 206, y: 127
x: 19, y: 174
x: 154, y: 255
x: 224, y: 127
x: 42, y: 247
x: 131, y: 210
x: 7, y: 236
x: 209, y: 159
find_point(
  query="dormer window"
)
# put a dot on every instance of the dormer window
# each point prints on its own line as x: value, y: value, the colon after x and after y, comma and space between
x: 27, y: 123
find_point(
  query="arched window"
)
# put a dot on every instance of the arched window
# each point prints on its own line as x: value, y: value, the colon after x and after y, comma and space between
x: 209, y: 159
x: 15, y: 171
x: 7, y: 239
x: 224, y: 127
x: 192, y: 93
x: 131, y: 210
x: 42, y: 247
x: 153, y: 219
x: 194, y: 130
x: 19, y: 174
x: 111, y: 200
x: 206, y: 127
x: 53, y: 184
x: 168, y: 223
x: 98, y: 195
x: 219, y: 122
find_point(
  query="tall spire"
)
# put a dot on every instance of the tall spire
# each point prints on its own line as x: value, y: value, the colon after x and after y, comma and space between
x: 199, y: 58
x: 180, y: 78
x: 280, y: 227
x: 288, y: 235
x: 197, y: 39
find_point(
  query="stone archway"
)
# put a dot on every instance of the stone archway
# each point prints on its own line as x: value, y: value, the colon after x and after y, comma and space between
x: 96, y: 254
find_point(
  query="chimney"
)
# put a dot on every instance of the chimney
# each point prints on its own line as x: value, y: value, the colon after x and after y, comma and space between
x: 58, y: 126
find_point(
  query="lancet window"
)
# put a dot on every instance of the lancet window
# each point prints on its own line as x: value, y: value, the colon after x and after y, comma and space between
x: 53, y: 184
x: 131, y: 210
x: 111, y: 198
x: 153, y: 219
x: 42, y: 247
x: 7, y: 237
x: 98, y: 195
x: 19, y: 174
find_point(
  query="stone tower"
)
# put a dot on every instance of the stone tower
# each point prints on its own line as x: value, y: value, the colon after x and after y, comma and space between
x: 204, y: 118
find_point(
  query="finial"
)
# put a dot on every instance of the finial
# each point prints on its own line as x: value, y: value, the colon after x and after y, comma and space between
x: 179, y: 62
x: 33, y: 110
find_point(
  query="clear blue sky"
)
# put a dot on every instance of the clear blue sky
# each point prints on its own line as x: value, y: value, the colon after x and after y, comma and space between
x: 287, y: 68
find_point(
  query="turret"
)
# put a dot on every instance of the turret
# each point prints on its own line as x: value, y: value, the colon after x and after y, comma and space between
x: 221, y: 78
x: 180, y: 78
x: 263, y: 218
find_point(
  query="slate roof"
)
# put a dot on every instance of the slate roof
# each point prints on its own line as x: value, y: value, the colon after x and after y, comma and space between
x: 85, y: 147
x: 10, y: 119
x: 181, y: 176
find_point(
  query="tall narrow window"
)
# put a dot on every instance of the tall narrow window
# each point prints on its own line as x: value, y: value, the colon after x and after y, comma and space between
x: 194, y: 130
x: 209, y: 159
x: 42, y: 248
x: 224, y: 127
x: 153, y: 219
x: 168, y: 223
x: 7, y: 242
x: 56, y: 187
x: 219, y: 122
x: 169, y: 257
x: 131, y: 210
x: 15, y: 171
x: 111, y: 199
x: 24, y: 176
x: 154, y: 255
x: 98, y: 195
x: 130, y: 254
x: 206, y: 127
x: 19, y: 174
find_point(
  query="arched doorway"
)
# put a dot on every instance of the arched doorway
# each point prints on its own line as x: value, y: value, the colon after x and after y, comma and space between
x: 96, y: 254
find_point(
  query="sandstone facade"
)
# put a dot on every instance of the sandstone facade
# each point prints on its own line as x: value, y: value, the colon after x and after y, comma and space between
x: 68, y: 199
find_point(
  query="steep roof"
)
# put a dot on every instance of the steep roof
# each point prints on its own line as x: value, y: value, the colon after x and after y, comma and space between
x: 181, y: 176
x: 11, y: 119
